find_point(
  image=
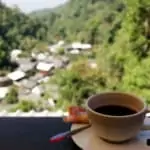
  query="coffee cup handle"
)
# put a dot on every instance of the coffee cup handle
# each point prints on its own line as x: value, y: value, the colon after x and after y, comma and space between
x: 146, y: 125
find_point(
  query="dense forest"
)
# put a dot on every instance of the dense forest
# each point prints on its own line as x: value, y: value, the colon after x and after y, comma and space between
x: 85, y: 20
x: 118, y: 30
x: 18, y: 30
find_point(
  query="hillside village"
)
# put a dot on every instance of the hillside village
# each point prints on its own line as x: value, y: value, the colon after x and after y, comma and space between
x: 32, y: 72
x: 36, y: 67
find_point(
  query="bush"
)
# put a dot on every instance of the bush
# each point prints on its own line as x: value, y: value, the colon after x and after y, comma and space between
x: 78, y: 83
x: 61, y: 51
x: 12, y: 96
x: 24, y: 55
x: 26, y: 106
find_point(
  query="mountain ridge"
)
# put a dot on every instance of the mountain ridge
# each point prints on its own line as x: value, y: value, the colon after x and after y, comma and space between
x: 86, y: 14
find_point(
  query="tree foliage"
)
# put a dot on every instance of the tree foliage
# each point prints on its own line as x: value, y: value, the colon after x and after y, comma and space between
x: 122, y: 36
x: 26, y: 106
x: 18, y: 30
x: 85, y: 20
x: 129, y: 55
x: 12, y: 96
x: 79, y: 82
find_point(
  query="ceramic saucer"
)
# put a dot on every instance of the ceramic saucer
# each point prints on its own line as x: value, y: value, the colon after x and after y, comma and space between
x: 86, y: 140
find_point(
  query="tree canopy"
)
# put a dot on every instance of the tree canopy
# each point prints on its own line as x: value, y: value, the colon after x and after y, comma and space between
x: 18, y: 30
x: 85, y: 20
x: 120, y: 30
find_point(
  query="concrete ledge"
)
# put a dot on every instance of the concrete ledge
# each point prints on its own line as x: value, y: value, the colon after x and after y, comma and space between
x: 32, y: 113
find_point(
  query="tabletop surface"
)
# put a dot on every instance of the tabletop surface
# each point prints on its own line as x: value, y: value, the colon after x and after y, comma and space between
x: 33, y: 134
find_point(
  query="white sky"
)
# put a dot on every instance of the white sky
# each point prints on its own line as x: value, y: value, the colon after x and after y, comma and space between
x: 30, y: 5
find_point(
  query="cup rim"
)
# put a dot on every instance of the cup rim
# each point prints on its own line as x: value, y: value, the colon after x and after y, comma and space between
x: 144, y: 109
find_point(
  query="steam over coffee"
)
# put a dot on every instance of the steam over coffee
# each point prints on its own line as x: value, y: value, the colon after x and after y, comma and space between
x: 115, y: 110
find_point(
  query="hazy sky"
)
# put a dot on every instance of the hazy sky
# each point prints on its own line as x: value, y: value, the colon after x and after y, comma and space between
x: 30, y: 5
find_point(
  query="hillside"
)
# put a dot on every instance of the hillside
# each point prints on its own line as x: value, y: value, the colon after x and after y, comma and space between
x: 17, y: 30
x: 85, y: 20
x: 121, y: 40
x: 46, y: 11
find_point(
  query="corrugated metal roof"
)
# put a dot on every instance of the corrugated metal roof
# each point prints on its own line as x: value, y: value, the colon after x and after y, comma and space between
x: 16, y: 75
x: 27, y: 66
x: 45, y: 66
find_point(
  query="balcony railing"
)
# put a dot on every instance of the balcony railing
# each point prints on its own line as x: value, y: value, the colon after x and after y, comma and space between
x: 32, y: 133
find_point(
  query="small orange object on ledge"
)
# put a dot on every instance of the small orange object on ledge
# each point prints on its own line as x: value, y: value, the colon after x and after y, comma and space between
x: 76, y: 115
x: 76, y: 110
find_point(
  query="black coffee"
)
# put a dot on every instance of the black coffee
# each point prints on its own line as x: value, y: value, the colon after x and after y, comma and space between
x: 115, y: 110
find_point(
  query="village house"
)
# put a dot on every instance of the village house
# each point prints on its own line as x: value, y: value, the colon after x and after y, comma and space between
x: 54, y: 48
x: 27, y: 67
x: 16, y: 75
x: 45, y: 68
x: 24, y: 60
x: 14, y: 54
x: 33, y: 93
x: 74, y: 51
x: 5, y: 81
x: 27, y: 84
x: 41, y: 56
x: 61, y: 43
x: 59, y: 62
x: 81, y: 46
x: 3, y: 92
x: 38, y: 90
x: 77, y: 47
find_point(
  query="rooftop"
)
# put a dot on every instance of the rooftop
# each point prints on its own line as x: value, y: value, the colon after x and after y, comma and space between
x: 45, y: 66
x: 28, y: 83
x: 3, y: 92
x: 23, y: 60
x: 16, y: 75
x: 27, y: 66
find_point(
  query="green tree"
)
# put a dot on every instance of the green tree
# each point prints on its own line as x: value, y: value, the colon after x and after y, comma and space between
x: 12, y: 96
x: 18, y: 30
x: 128, y: 56
x: 87, y: 20
x: 78, y: 83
